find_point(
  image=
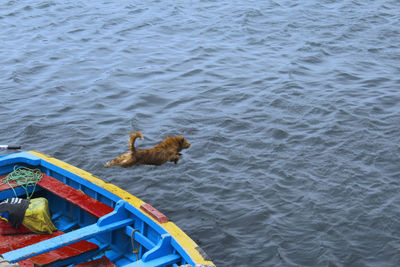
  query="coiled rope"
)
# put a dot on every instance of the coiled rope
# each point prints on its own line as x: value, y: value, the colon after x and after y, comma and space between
x: 23, y: 177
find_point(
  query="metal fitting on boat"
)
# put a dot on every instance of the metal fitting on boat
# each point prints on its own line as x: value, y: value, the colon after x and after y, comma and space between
x: 5, y: 263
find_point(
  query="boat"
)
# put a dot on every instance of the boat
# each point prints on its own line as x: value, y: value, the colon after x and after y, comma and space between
x: 96, y: 223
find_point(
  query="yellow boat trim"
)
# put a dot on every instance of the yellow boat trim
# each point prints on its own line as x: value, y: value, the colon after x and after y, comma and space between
x: 184, y: 240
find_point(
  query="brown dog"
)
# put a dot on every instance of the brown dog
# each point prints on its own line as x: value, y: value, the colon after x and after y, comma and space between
x: 167, y: 150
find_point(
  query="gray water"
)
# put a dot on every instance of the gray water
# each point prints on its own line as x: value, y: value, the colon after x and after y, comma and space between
x: 292, y: 109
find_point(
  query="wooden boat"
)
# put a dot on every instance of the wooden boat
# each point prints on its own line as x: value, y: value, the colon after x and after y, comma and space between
x: 98, y: 224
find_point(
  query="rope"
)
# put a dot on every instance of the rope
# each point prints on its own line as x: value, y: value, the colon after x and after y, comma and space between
x: 23, y: 177
x: 135, y: 250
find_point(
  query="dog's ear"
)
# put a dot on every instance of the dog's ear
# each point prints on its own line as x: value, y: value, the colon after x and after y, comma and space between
x: 181, y: 142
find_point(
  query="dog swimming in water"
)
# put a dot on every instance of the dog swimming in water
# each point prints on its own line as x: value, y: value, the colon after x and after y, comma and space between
x: 167, y: 150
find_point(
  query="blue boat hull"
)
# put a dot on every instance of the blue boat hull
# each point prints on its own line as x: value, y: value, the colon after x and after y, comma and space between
x: 131, y: 233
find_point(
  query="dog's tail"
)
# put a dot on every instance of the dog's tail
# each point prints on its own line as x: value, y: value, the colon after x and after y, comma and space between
x: 132, y: 141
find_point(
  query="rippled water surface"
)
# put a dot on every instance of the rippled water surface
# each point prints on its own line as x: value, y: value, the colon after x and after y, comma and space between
x: 292, y: 109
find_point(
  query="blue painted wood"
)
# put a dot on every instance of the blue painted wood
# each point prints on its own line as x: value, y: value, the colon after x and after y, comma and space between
x: 160, y: 255
x: 19, y: 191
x: 158, y: 262
x: 114, y: 220
x: 161, y: 249
x: 22, y: 157
x: 139, y: 237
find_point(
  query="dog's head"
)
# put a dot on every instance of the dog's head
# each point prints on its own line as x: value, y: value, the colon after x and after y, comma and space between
x: 183, y: 143
x: 177, y: 143
x: 124, y: 161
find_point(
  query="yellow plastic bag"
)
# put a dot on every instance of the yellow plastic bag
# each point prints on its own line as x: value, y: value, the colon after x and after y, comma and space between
x: 37, y: 217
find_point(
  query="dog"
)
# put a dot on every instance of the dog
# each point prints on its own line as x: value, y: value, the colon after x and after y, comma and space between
x: 167, y: 150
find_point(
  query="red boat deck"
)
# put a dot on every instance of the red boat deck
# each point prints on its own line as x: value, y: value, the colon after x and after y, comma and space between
x: 12, y: 242
x: 77, y: 197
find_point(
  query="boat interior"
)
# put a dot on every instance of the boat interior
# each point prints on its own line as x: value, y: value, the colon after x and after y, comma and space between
x: 95, y: 228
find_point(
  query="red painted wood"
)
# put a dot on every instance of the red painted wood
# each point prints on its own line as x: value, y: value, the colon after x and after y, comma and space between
x: 66, y: 252
x: 18, y: 241
x: 11, y: 239
x: 36, y: 238
x: 26, y: 263
x: 45, y: 258
x: 77, y: 197
x: 4, y: 249
x: 153, y: 212
x: 6, y: 229
x: 6, y: 186
x: 83, y: 246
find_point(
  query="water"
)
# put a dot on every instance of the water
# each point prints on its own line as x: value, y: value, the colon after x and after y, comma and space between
x: 292, y: 109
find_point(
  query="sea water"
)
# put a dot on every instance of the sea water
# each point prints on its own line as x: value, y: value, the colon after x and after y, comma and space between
x: 292, y: 109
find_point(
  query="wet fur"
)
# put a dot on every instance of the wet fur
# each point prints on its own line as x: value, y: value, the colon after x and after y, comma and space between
x: 167, y: 150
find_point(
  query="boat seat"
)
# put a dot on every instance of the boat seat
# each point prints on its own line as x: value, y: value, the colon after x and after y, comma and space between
x: 79, y: 249
x: 75, y: 196
x: 117, y: 219
x: 12, y: 242
x: 7, y: 192
x: 64, y: 191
